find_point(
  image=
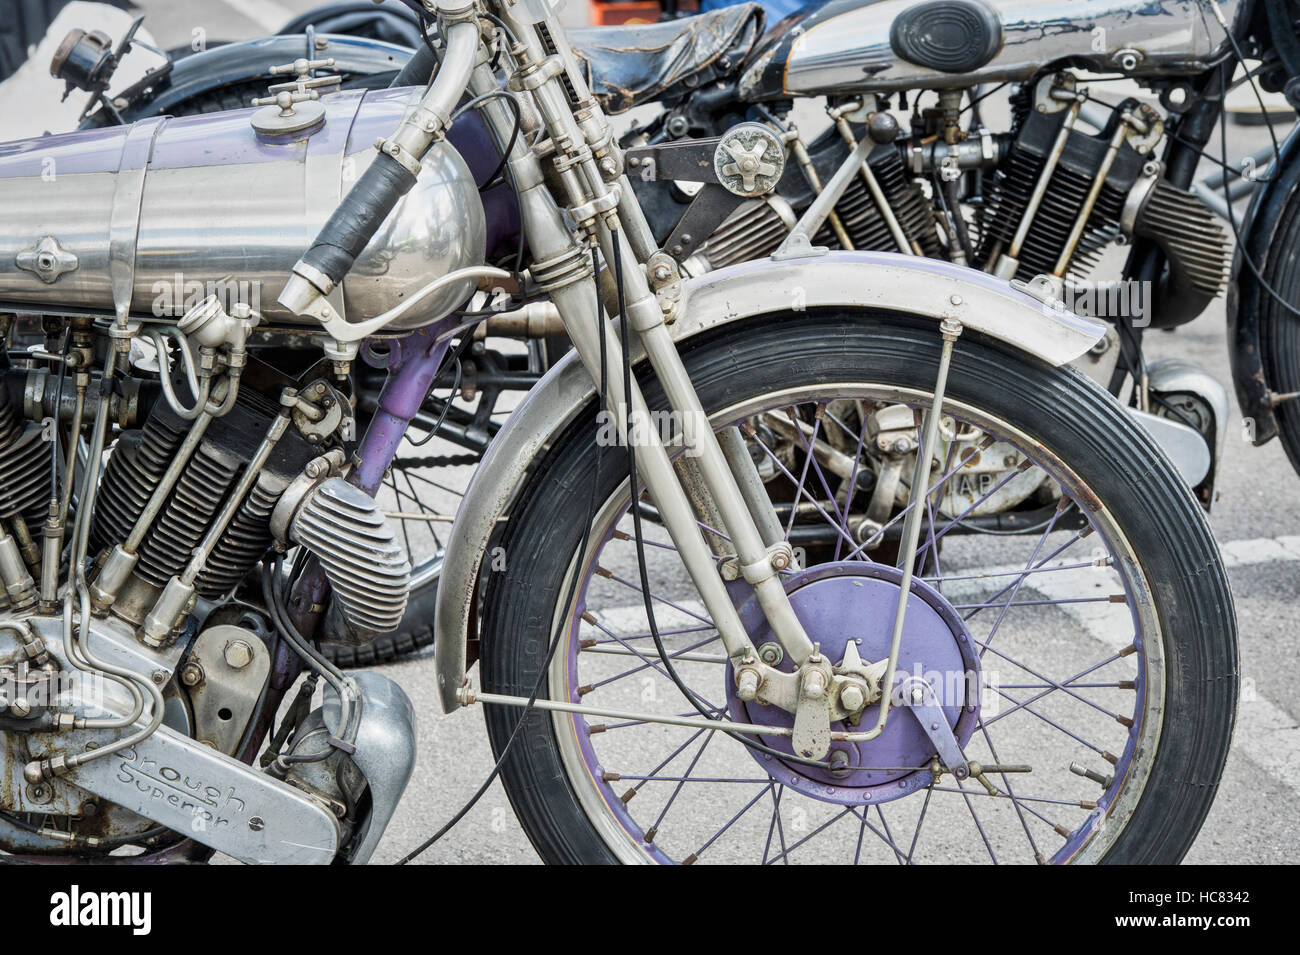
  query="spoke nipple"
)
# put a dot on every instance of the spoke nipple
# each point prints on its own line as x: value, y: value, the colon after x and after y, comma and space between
x: 584, y: 690
x: 602, y: 572
x: 1129, y: 650
x: 1063, y: 832
x: 595, y: 728
x: 1118, y: 598
x: 587, y: 644
x: 1124, y: 721
x: 610, y: 777
x: 1087, y: 804
x: 1038, y: 857
x: 1111, y: 758
x: 651, y: 833
x: 589, y: 617
x: 1127, y: 684
x: 627, y: 796
x: 620, y: 535
x: 690, y: 859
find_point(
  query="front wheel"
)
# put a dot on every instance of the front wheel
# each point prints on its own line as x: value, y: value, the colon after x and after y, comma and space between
x: 1098, y: 650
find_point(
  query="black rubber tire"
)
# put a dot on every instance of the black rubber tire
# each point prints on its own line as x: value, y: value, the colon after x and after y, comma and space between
x: 1061, y: 408
x: 1279, y: 329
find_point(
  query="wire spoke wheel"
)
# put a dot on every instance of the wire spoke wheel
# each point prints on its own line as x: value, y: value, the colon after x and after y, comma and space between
x: 1056, y: 645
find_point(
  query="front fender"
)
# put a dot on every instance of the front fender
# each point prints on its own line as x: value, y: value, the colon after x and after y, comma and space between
x: 875, y: 280
x: 1245, y: 292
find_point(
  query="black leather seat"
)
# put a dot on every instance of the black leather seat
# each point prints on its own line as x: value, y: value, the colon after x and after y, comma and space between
x: 630, y: 65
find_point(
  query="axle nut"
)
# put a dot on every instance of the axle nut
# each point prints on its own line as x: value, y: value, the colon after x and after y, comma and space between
x: 747, y: 682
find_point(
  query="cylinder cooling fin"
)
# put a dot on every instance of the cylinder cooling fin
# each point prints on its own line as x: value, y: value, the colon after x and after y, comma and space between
x: 205, y: 485
x: 861, y: 216
x: 1063, y: 201
x: 345, y: 530
x: 24, y: 466
x: 1191, y: 236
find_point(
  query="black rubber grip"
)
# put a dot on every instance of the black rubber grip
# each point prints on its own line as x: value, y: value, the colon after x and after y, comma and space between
x: 358, y: 217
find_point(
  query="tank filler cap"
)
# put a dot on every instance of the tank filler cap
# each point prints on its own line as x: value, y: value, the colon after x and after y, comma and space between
x: 294, y: 106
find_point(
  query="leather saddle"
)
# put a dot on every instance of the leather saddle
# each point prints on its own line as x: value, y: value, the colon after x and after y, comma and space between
x: 630, y: 65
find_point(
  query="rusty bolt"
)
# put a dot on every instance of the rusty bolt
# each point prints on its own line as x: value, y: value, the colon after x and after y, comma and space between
x: 192, y: 674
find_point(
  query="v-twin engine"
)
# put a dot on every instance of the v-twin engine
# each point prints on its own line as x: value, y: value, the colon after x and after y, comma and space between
x: 136, y: 650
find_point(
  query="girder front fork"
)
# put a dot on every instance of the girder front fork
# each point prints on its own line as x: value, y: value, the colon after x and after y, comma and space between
x: 588, y: 177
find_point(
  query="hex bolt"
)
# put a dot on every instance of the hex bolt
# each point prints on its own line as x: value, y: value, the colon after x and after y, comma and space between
x: 852, y: 698
x: 238, y: 654
x: 192, y: 674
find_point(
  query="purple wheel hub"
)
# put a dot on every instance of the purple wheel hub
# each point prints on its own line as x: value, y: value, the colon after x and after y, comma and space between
x: 854, y: 600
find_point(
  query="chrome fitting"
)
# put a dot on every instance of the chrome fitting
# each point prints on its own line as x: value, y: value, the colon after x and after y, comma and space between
x: 19, y: 585
x: 112, y: 576
x: 175, y: 602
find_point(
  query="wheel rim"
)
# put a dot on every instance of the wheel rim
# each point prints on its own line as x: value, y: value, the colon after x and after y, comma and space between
x: 1121, y: 683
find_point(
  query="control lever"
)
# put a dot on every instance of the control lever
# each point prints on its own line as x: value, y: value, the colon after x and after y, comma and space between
x: 920, y: 698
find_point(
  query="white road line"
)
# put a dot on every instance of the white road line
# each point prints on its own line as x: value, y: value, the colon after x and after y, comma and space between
x: 267, y: 14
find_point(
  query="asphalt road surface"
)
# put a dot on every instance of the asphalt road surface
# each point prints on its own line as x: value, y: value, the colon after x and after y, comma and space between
x: 1256, y: 518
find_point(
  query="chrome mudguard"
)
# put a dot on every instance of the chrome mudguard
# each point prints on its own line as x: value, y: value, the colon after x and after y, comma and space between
x: 870, y: 280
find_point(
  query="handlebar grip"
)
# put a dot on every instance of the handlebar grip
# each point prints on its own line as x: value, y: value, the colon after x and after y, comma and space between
x: 358, y: 217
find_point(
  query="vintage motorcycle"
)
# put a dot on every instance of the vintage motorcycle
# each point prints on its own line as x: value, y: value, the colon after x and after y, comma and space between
x: 1069, y: 179
x: 1065, y: 695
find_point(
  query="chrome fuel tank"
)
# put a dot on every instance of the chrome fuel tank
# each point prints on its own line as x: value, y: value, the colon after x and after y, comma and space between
x: 144, y: 218
x: 853, y: 46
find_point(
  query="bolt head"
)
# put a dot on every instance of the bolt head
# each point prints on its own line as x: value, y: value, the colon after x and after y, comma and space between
x: 257, y: 824
x: 238, y: 654
x: 159, y: 677
x: 192, y: 674
x: 852, y: 698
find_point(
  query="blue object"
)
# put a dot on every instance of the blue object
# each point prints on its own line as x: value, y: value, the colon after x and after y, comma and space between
x: 776, y: 9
